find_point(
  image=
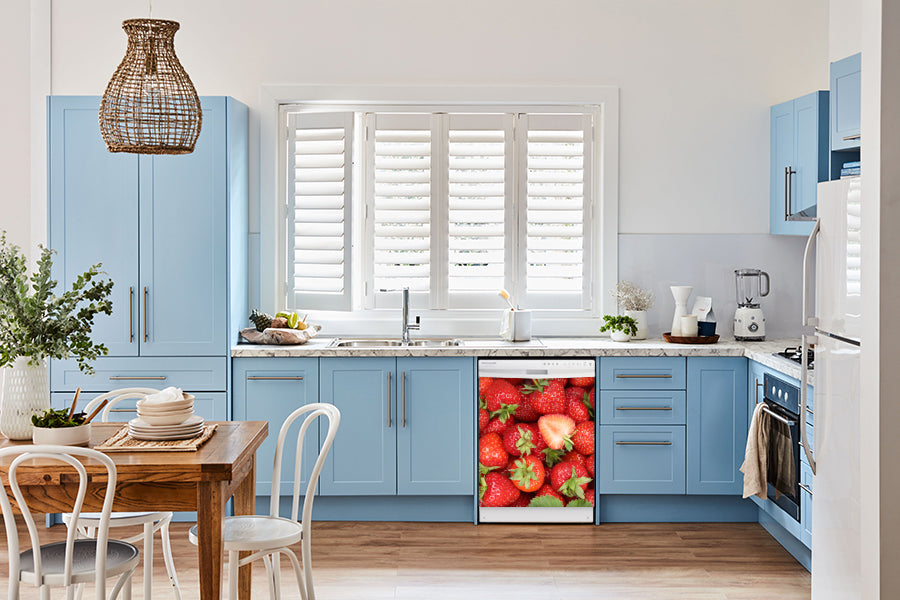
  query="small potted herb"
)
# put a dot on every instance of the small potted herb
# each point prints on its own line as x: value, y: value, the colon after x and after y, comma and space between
x: 620, y: 327
x: 634, y: 302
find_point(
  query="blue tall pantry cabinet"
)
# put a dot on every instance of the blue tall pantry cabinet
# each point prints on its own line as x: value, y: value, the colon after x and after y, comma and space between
x: 171, y: 232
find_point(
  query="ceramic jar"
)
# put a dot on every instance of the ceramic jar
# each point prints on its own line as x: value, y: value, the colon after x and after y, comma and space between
x: 26, y: 392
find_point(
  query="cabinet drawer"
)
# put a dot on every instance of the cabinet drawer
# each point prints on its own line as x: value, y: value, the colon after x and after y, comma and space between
x: 206, y: 374
x: 642, y: 373
x: 641, y: 460
x: 212, y: 406
x: 631, y: 407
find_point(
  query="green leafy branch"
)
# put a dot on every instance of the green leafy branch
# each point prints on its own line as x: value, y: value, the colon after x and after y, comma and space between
x: 36, y: 323
x: 619, y: 323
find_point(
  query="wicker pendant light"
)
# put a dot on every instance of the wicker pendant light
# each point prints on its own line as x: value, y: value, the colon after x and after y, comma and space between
x: 150, y: 105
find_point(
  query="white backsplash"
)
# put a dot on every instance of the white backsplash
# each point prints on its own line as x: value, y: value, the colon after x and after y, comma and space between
x: 707, y: 262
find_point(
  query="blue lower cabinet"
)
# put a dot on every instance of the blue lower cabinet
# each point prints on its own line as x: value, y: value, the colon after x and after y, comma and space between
x: 646, y: 459
x: 270, y: 389
x: 435, y: 436
x: 806, y: 492
x: 642, y: 373
x: 756, y: 374
x: 716, y: 424
x: 193, y: 373
x: 651, y: 407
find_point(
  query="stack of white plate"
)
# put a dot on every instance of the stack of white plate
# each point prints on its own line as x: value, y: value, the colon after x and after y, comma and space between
x: 168, y: 415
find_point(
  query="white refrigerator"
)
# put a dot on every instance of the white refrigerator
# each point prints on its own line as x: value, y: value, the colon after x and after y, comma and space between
x: 834, y: 328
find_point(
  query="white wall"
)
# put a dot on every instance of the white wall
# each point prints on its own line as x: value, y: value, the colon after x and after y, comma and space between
x: 845, y: 25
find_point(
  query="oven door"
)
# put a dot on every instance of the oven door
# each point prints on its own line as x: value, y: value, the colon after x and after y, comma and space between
x: 783, y: 455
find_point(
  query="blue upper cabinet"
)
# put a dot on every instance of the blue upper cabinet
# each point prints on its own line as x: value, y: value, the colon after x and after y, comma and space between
x: 716, y: 424
x: 435, y: 438
x: 799, y: 159
x: 845, y: 103
x: 93, y: 214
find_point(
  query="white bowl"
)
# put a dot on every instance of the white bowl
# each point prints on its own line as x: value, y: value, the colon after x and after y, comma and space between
x: 172, y: 418
x: 62, y: 436
x: 186, y: 402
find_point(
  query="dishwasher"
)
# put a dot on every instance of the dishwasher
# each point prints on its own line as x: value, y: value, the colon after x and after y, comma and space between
x: 536, y: 440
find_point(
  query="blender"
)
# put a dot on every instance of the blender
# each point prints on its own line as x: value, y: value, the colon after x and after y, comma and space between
x: 749, y: 321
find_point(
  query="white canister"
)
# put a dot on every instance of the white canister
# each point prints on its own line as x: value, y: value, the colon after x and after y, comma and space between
x: 689, y: 326
x: 640, y: 317
x: 515, y: 326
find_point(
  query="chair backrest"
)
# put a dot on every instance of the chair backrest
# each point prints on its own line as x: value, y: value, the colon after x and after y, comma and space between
x: 67, y: 455
x: 115, y: 397
x: 312, y: 412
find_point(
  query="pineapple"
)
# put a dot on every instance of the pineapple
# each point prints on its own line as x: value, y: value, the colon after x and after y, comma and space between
x: 260, y: 319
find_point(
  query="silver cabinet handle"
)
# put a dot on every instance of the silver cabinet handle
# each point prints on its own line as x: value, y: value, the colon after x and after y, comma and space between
x: 778, y: 417
x: 137, y: 377
x: 390, y: 422
x: 643, y: 443
x: 404, y: 398
x: 786, y: 192
x: 643, y: 376
x: 804, y: 487
x: 643, y: 408
x: 122, y: 410
x: 756, y: 392
x: 790, y: 198
x: 847, y: 138
x: 145, y: 313
x: 130, y: 314
x: 274, y: 378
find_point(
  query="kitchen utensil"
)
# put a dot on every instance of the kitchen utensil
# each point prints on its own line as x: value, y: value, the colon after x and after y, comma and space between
x: 681, y: 293
x: 749, y: 320
x: 74, y: 403
x: 96, y: 410
x: 505, y: 295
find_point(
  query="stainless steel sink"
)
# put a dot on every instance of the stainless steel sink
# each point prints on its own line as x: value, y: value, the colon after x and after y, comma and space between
x: 387, y: 343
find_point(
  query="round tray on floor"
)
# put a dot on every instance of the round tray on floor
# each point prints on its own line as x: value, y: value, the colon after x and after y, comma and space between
x: 674, y: 339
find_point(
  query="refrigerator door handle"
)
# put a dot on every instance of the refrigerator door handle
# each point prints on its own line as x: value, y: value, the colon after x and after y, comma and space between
x: 809, y: 323
x: 808, y: 337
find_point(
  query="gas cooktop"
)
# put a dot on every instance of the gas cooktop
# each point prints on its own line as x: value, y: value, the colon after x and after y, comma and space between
x: 793, y: 353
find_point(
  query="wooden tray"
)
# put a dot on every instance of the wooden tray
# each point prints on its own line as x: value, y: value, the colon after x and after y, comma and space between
x: 673, y: 339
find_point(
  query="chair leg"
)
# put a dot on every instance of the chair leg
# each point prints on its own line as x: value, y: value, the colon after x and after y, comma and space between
x: 270, y: 576
x: 276, y: 572
x: 167, y: 558
x: 233, y: 559
x: 148, y: 561
x: 45, y: 592
x: 298, y: 572
x: 79, y: 591
x: 123, y: 585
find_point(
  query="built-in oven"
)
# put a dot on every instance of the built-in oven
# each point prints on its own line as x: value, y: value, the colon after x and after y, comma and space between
x: 782, y: 406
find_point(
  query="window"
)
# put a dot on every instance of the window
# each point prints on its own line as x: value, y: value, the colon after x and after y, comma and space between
x: 452, y: 202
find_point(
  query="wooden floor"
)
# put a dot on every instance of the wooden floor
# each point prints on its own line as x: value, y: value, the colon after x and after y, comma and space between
x: 425, y: 561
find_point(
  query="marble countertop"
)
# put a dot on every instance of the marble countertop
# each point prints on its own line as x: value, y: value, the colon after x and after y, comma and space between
x: 761, y: 352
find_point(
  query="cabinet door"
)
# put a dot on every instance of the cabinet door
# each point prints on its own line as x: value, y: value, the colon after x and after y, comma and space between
x: 845, y: 102
x: 716, y: 424
x: 435, y: 438
x: 363, y: 458
x: 640, y: 459
x: 93, y: 214
x: 642, y: 373
x: 811, y: 150
x: 806, y: 482
x: 755, y: 376
x: 270, y: 389
x: 183, y: 288
x: 781, y: 159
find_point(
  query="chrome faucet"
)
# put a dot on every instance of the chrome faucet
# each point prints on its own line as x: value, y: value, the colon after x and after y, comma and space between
x: 404, y: 309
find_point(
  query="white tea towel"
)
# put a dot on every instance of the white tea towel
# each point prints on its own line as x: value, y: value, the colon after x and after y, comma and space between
x: 169, y: 394
x: 755, y: 458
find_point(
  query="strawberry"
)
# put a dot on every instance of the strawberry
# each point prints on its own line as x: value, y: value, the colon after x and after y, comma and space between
x: 491, y: 452
x: 557, y: 430
x: 525, y: 413
x: 570, y: 479
x: 499, y: 424
x: 513, y: 380
x: 523, y: 500
x: 589, y: 496
x: 500, y: 393
x: 483, y: 418
x: 590, y: 398
x: 582, y: 382
x: 589, y: 464
x: 577, y: 406
x: 574, y: 456
x: 523, y: 439
x: 497, y: 490
x: 546, y: 397
x: 583, y: 438
x: 552, y: 457
x: 528, y: 473
x: 546, y: 490
x: 483, y: 384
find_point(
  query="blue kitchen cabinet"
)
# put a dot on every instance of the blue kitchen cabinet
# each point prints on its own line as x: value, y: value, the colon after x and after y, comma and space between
x: 642, y: 373
x: 363, y: 458
x: 209, y: 405
x: 435, y: 438
x: 716, y: 424
x: 845, y: 103
x: 641, y: 459
x: 806, y: 492
x: 171, y: 234
x: 799, y: 160
x: 270, y: 389
x: 756, y: 374
x: 650, y: 407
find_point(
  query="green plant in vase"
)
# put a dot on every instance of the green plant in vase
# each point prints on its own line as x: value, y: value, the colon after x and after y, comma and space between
x: 620, y: 327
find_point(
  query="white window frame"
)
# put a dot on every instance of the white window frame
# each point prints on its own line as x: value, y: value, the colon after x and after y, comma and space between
x: 270, y: 220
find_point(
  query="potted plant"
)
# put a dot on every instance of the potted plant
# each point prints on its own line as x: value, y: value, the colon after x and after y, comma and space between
x: 36, y: 324
x: 634, y: 302
x: 621, y: 328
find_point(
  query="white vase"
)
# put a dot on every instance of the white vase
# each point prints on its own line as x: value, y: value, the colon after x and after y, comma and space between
x: 640, y: 316
x: 681, y: 293
x: 26, y: 392
x: 619, y: 336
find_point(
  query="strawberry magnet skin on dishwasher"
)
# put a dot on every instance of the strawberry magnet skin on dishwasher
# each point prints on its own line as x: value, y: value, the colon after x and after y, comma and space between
x: 536, y: 440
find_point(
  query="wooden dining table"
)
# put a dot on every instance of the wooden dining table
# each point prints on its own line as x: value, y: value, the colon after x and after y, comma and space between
x: 201, y: 481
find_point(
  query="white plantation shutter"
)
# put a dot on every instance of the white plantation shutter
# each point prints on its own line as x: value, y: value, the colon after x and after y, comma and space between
x: 555, y: 183
x: 319, y: 192
x: 479, y: 208
x: 399, y: 202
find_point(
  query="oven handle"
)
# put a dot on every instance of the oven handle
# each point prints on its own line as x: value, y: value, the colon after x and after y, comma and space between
x: 778, y: 417
x: 808, y: 337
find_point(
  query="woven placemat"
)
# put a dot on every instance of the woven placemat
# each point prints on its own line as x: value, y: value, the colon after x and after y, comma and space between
x: 122, y: 442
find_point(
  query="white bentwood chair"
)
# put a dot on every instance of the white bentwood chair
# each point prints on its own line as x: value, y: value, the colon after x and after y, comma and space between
x: 268, y: 537
x: 152, y: 521
x: 75, y: 561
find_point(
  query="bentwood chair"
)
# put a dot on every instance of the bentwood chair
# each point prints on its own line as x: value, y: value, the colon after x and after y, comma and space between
x: 75, y: 561
x: 152, y: 522
x: 270, y: 537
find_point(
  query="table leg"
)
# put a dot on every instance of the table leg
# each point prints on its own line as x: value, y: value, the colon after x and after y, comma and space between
x: 245, y: 504
x: 210, y: 509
